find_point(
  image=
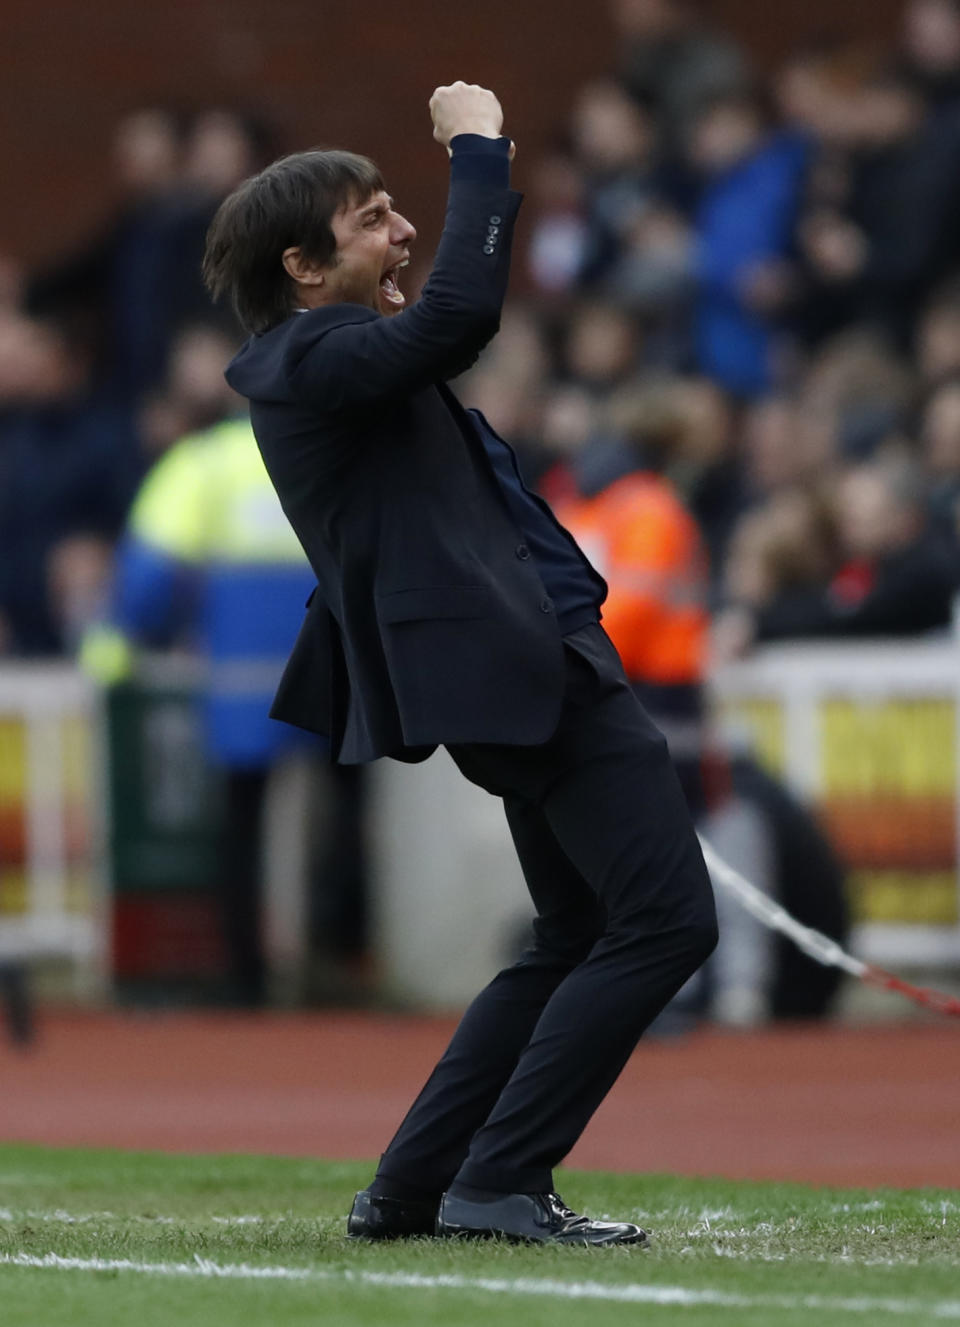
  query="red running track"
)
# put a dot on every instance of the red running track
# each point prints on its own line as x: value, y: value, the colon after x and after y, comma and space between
x: 873, y: 1106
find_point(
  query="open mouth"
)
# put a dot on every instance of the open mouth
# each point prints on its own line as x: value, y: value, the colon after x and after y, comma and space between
x: 390, y: 291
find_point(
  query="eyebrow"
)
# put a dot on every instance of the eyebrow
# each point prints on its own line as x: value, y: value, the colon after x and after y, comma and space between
x: 377, y: 206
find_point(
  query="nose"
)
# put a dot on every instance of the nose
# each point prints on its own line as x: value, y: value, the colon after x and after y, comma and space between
x: 401, y: 231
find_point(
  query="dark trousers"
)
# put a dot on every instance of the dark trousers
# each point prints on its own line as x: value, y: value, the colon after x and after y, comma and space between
x: 625, y: 915
x: 241, y: 901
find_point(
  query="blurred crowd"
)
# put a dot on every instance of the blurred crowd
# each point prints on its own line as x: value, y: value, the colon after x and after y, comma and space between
x: 107, y: 357
x: 750, y: 287
x: 747, y: 286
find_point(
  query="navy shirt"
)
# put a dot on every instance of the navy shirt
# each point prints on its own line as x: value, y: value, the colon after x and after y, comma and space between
x: 575, y: 589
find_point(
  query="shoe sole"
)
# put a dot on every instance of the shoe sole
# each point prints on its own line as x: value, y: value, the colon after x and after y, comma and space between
x: 458, y: 1232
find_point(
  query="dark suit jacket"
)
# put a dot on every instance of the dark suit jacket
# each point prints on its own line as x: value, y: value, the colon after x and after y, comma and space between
x: 430, y: 623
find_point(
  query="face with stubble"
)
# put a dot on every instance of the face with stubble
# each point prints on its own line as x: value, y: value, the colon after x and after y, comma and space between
x: 373, y: 246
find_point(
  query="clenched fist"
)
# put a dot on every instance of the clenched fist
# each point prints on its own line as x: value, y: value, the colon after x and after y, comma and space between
x: 465, y: 108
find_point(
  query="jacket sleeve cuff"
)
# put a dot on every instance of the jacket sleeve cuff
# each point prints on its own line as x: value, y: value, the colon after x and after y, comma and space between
x: 480, y: 160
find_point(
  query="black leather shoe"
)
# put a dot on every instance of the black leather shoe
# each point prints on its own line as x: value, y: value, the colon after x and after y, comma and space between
x: 530, y: 1218
x: 390, y: 1218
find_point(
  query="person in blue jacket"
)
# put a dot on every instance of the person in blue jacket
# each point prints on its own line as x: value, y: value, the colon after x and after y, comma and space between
x: 750, y: 195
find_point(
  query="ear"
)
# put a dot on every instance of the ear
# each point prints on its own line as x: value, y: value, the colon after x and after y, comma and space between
x: 301, y: 270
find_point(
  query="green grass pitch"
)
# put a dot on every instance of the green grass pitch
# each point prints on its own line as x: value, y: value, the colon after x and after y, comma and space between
x: 109, y: 1238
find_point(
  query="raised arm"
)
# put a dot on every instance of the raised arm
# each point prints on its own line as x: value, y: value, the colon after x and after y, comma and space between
x: 344, y: 356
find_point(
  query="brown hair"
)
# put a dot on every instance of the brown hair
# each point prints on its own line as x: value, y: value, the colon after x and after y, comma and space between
x: 290, y: 203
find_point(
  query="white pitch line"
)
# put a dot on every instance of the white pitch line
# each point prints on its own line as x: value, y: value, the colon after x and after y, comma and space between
x: 59, y: 1217
x: 701, y: 1235
x: 678, y: 1296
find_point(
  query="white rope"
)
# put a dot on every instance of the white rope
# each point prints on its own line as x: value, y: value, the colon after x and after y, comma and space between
x: 813, y: 943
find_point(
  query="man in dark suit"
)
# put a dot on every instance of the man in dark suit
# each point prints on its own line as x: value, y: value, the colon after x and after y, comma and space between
x: 453, y: 609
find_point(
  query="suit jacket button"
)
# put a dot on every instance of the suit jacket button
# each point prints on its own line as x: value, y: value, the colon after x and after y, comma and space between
x: 522, y: 552
x: 488, y: 248
x: 546, y: 606
x: 495, y: 221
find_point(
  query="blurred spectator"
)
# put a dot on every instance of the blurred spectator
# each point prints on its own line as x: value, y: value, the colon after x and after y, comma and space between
x: 876, y: 257
x: 608, y: 220
x: 931, y: 50
x: 194, y: 394
x: 570, y: 436
x: 809, y: 881
x: 139, y: 281
x: 638, y: 535
x: 615, y: 140
x: 787, y: 545
x: 221, y: 148
x: 670, y: 60
x: 894, y: 574
x: 69, y: 466
x: 937, y: 336
x: 773, y: 452
x: 118, y: 283
x: 815, y: 90
x: 629, y: 431
x: 745, y: 220
x: 706, y: 471
x: 781, y: 552
x: 602, y: 346
x: 209, y: 561
x: 607, y: 223
x: 508, y: 386
x: 556, y: 251
x: 570, y: 421
x: 857, y: 394
x: 654, y: 277
x: 940, y: 441
x: 899, y: 576
x: 520, y: 356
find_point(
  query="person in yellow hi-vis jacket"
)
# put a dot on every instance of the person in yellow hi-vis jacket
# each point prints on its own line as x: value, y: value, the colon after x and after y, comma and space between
x: 209, y: 558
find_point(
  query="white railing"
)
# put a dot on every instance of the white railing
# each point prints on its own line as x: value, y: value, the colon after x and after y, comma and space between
x: 867, y: 733
x: 53, y: 860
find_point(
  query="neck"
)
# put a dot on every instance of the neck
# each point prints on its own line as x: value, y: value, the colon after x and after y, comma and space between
x: 309, y: 297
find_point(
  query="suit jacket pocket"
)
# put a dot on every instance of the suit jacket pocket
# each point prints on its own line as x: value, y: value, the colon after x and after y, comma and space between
x: 435, y: 601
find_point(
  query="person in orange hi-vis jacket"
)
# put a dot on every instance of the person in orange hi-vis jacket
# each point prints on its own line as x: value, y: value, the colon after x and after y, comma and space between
x: 647, y: 546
